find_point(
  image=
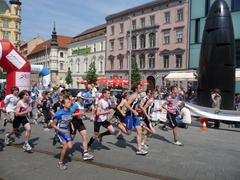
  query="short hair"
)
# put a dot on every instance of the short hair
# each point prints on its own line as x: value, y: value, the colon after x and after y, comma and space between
x: 135, y: 86
x: 14, y: 88
x: 105, y: 90
x: 23, y: 93
x: 172, y: 88
x: 125, y: 95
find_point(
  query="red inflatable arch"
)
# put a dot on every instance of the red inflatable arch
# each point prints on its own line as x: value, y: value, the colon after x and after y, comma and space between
x: 17, y: 67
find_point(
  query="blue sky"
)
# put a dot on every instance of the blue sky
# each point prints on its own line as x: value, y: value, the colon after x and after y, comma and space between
x: 71, y: 16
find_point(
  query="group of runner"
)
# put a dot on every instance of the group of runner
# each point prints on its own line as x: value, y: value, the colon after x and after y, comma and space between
x: 65, y: 115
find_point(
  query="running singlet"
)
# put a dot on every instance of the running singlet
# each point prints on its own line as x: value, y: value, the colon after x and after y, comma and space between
x: 77, y: 107
x: 134, y: 105
x: 104, y: 108
x: 172, y: 103
x: 63, y: 118
x: 150, y: 108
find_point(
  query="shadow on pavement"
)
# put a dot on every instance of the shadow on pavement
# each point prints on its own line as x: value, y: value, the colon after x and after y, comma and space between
x: 1, y: 144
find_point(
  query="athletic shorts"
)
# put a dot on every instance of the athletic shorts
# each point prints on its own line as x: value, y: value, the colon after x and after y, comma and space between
x: 76, y: 125
x: 131, y: 121
x: 64, y: 137
x: 119, y: 116
x: 97, y: 125
x: 10, y: 116
x: 47, y: 116
x: 172, y: 120
x: 18, y: 121
x: 148, y: 123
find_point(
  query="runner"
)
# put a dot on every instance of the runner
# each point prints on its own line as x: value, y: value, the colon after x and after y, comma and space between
x: 62, y: 118
x: 46, y: 110
x: 22, y: 110
x: 77, y: 125
x: 102, y: 118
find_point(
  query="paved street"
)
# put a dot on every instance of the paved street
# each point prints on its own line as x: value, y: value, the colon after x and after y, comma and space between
x: 205, y: 155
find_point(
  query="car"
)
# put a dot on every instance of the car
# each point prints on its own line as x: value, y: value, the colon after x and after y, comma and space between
x: 75, y: 91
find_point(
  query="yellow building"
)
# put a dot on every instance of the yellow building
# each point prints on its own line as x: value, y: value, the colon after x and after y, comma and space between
x: 10, y: 21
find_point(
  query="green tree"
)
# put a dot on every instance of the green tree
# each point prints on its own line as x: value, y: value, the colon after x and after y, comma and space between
x: 68, y: 78
x: 135, y: 75
x: 91, y: 74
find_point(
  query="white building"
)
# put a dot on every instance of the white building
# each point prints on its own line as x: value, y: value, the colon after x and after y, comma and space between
x: 85, y: 48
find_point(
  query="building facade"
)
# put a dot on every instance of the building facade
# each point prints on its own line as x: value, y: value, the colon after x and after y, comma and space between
x: 10, y: 21
x: 199, y: 11
x: 85, y: 48
x: 53, y: 55
x: 158, y: 43
x: 27, y: 47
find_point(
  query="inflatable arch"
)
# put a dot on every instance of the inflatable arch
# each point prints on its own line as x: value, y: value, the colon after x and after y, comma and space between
x: 44, y: 72
x: 17, y: 67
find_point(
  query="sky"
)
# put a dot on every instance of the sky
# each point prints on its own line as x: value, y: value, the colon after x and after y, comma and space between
x: 71, y: 16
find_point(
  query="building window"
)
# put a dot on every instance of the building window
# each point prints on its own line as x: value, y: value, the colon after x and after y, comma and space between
x: 111, y: 45
x: 5, y: 24
x: 197, y: 31
x: 151, y: 61
x: 207, y: 6
x: 61, y: 54
x: 121, y: 28
x: 112, y: 30
x: 61, y: 66
x: 121, y: 44
x: 152, y: 20
x: 152, y: 40
x: 101, y: 46
x: 178, y: 61
x: 235, y: 5
x: 94, y: 48
x: 142, y: 22
x: 166, y: 37
x: 134, y: 42
x: 166, y: 61
x: 121, y: 63
x: 167, y: 17
x: 6, y: 35
x: 237, y: 44
x: 78, y: 65
x: 101, y: 66
x: 17, y: 37
x: 142, y: 61
x: 142, y: 41
x: 86, y: 65
x: 134, y: 24
x: 179, y: 35
x: 111, y: 64
x: 180, y: 15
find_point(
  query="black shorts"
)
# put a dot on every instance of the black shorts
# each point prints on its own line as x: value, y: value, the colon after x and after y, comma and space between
x: 172, y: 120
x: 76, y: 125
x: 87, y: 106
x: 97, y: 125
x: 119, y: 116
x: 18, y: 120
x: 47, y: 116
x: 148, y: 122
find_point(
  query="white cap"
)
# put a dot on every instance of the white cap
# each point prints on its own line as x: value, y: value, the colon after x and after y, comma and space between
x: 80, y: 95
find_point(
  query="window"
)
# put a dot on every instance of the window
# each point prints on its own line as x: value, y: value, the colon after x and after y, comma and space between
x: 151, y: 61
x: 61, y: 66
x: 142, y: 41
x: 134, y: 24
x: 121, y: 28
x: 94, y: 48
x: 121, y: 44
x: 5, y: 24
x: 166, y: 61
x: 111, y: 64
x: 180, y: 15
x: 167, y: 17
x: 152, y: 20
x: 197, y: 31
x: 235, y: 5
x: 111, y: 45
x: 152, y: 40
x: 121, y: 63
x: 101, y: 46
x: 101, y: 66
x: 61, y: 54
x: 17, y: 37
x: 78, y: 65
x: 179, y: 36
x: 112, y: 30
x: 178, y: 61
x: 166, y: 37
x: 142, y: 61
x: 6, y: 35
x: 237, y: 45
x: 134, y: 42
x: 17, y: 25
x: 86, y: 65
x: 142, y: 22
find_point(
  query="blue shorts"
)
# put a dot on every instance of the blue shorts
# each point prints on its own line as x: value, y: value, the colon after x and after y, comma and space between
x: 131, y: 121
x: 64, y: 137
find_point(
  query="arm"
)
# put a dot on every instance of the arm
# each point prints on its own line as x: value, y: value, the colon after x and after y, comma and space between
x: 120, y: 106
x: 127, y: 104
x: 54, y: 126
x: 99, y: 110
x: 24, y: 113
x: 145, y: 107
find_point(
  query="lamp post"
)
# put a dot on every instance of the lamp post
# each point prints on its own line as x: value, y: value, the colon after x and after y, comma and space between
x: 130, y: 55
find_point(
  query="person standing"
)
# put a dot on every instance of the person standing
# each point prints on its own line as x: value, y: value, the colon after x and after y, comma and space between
x: 216, y: 104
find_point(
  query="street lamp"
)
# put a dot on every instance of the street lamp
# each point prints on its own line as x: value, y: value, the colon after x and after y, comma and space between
x: 130, y: 54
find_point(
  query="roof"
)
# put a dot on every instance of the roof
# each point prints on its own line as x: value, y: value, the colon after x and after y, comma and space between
x: 3, y: 6
x: 151, y: 4
x: 90, y: 33
x: 63, y: 42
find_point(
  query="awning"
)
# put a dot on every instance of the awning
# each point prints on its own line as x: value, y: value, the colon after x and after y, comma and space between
x: 181, y: 76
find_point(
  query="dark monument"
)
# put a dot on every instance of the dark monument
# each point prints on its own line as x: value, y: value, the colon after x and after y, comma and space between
x: 217, y: 58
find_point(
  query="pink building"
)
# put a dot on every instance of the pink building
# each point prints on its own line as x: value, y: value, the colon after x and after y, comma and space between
x: 159, y: 41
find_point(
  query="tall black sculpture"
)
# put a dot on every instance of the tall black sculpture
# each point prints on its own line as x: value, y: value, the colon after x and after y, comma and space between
x: 217, y: 58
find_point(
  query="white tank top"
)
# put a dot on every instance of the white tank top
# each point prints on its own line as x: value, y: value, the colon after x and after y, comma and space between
x: 104, y: 108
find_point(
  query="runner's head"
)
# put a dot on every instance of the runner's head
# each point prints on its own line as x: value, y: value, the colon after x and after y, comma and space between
x: 106, y: 93
x: 15, y: 90
x: 137, y: 88
x: 125, y: 95
x: 66, y: 103
x: 24, y: 95
x: 174, y: 90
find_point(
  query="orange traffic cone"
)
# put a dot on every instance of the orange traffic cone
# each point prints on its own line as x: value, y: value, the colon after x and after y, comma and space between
x: 204, y: 126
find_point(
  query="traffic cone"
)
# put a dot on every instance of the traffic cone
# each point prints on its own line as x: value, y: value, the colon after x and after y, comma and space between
x: 204, y: 126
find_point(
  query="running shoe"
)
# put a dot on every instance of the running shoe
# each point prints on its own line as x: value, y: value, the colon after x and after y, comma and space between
x: 46, y: 129
x: 5, y: 121
x: 164, y: 128
x: 145, y: 146
x: 61, y: 166
x: 27, y: 147
x: 141, y: 152
x: 87, y: 156
x: 7, y: 139
x: 178, y: 143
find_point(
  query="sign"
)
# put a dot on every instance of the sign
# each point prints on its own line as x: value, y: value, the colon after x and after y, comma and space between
x: 79, y: 51
x: 23, y: 80
x: 16, y: 59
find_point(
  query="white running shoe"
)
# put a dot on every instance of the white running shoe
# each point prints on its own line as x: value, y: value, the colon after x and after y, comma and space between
x: 27, y: 147
x: 141, y: 152
x: 61, y: 166
x: 87, y: 156
x: 144, y: 146
x: 7, y: 139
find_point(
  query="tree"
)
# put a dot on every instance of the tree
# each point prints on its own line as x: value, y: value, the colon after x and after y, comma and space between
x: 135, y: 75
x: 91, y: 74
x: 68, y: 78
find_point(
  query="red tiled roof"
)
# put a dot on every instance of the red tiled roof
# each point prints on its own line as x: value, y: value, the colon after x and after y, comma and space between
x: 63, y: 42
